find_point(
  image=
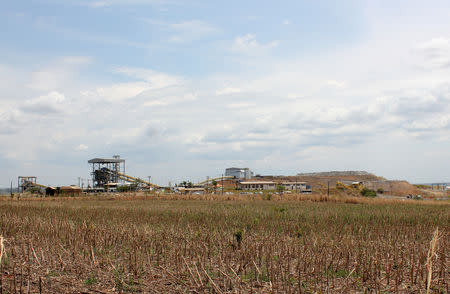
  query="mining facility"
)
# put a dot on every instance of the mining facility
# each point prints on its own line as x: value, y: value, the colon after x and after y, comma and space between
x: 107, y: 175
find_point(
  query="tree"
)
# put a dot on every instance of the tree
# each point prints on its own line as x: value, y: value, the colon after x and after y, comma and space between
x: 368, y: 192
x: 280, y: 189
x: 186, y: 184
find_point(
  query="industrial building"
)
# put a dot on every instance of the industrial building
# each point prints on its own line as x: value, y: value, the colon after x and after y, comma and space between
x: 257, y: 185
x: 301, y: 187
x: 239, y: 173
x: 296, y: 186
x: 106, y: 170
x: 109, y: 173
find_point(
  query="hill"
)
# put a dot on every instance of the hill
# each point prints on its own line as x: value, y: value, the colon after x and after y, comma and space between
x: 319, y: 181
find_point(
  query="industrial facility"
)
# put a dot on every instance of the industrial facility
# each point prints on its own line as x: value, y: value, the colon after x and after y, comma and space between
x: 239, y: 173
x: 29, y: 184
x: 109, y: 175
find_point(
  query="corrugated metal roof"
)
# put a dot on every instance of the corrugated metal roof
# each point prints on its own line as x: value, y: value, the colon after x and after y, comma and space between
x: 70, y: 188
x: 106, y: 160
x: 293, y: 183
x: 258, y: 183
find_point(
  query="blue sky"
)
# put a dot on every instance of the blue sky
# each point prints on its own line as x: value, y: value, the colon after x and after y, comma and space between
x: 184, y: 89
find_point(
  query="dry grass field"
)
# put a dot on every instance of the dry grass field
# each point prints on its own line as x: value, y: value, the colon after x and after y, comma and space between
x: 229, y: 244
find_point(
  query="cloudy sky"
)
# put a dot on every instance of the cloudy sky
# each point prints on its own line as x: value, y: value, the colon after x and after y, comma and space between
x: 184, y: 89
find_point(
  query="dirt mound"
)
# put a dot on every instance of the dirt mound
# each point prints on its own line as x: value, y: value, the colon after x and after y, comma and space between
x: 320, y: 181
x: 396, y: 188
x: 323, y: 179
x: 336, y: 174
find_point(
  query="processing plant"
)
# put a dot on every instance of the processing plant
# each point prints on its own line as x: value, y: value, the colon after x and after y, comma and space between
x: 108, y: 173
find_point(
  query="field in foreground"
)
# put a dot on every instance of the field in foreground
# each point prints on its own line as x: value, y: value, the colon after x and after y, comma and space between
x: 225, y: 246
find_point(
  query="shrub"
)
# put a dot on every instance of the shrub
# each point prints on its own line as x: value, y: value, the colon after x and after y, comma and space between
x: 280, y: 188
x: 123, y: 188
x: 368, y: 192
x: 238, y: 236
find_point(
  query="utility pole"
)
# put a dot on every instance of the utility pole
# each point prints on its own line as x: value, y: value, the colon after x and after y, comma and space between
x: 328, y: 193
x: 222, y: 184
x: 79, y: 181
x: 11, y: 191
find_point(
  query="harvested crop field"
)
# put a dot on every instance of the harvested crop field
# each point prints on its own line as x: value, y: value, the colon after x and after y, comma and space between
x: 213, y: 245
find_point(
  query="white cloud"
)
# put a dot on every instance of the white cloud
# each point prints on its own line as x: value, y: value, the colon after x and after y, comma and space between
x: 336, y: 84
x: 239, y: 105
x: 58, y: 74
x: 172, y: 98
x: 188, y: 31
x: 184, y: 31
x: 435, y: 53
x: 228, y: 90
x: 53, y: 102
x: 295, y: 96
x: 248, y: 45
x: 155, y: 79
x: 121, y: 91
x: 155, y: 103
x: 82, y: 147
x: 147, y: 82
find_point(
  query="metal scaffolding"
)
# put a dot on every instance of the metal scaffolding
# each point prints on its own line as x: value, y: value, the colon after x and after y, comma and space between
x: 24, y: 182
x: 106, y: 170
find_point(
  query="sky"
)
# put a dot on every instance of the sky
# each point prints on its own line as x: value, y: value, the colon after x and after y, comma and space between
x: 184, y: 89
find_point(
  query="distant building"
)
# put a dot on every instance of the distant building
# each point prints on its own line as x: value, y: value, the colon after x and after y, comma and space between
x: 239, y: 173
x: 297, y: 186
x: 300, y: 187
x: 258, y: 185
x: 69, y: 191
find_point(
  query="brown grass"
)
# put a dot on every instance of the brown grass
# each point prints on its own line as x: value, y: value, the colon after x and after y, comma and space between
x: 224, y: 244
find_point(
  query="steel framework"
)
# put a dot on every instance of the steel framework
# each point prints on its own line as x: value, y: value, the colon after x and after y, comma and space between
x: 106, y: 170
x: 24, y: 182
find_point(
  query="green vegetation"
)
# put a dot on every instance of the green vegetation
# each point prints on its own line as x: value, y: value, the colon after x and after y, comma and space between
x: 125, y: 188
x: 212, y: 244
x: 280, y: 188
x: 186, y: 184
x: 368, y: 192
x: 90, y: 281
x: 423, y: 186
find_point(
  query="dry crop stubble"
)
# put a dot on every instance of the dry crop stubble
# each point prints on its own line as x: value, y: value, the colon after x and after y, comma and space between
x: 227, y: 244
